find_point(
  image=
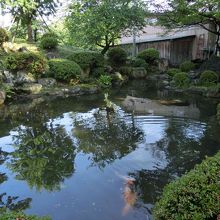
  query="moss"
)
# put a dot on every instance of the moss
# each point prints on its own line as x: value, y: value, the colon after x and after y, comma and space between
x: 193, y: 196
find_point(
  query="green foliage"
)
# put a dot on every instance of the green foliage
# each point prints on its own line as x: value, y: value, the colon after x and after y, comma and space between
x: 97, y: 72
x: 21, y: 216
x: 149, y: 55
x: 125, y: 70
x: 49, y: 41
x: 218, y: 113
x: 173, y: 71
x: 34, y: 63
x: 113, y: 18
x: 87, y: 59
x: 181, y: 80
x: 194, y: 196
x: 208, y: 78
x: 138, y: 62
x: 117, y: 56
x: 3, y: 36
x: 105, y: 81
x: 63, y: 69
x: 186, y: 66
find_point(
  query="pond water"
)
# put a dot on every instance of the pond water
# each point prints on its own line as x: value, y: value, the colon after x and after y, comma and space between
x: 68, y: 159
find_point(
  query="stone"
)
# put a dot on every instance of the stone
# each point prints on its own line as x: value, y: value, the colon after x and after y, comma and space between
x: 24, y: 77
x: 2, y: 97
x: 193, y: 75
x: 31, y: 88
x: 163, y: 65
x: 47, y: 82
x: 138, y: 73
x: 8, y: 77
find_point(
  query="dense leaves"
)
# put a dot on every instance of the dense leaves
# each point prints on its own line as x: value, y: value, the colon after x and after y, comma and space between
x: 117, y: 56
x: 3, y: 36
x: 208, y: 78
x: 194, y: 196
x: 149, y: 55
x: 181, y: 80
x: 187, y: 66
x: 101, y: 23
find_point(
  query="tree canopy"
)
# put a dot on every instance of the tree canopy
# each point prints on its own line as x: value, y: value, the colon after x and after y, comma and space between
x: 101, y: 23
x: 205, y: 13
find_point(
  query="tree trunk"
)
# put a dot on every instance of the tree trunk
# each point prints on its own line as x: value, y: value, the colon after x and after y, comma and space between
x: 15, y: 33
x: 30, y: 32
x: 105, y: 49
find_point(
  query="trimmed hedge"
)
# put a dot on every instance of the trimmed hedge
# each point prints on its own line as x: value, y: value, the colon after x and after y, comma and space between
x: 173, y: 71
x: 218, y: 113
x: 117, y: 56
x: 87, y: 59
x: 63, y: 69
x: 34, y: 63
x: 49, y: 41
x: 187, y: 66
x: 196, y: 195
x: 3, y: 36
x: 125, y: 70
x: 208, y: 78
x: 149, y: 55
x: 138, y: 62
x: 181, y: 80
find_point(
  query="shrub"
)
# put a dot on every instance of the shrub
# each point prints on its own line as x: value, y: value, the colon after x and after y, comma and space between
x: 125, y: 70
x: 97, y: 72
x: 105, y: 81
x: 187, y: 66
x: 193, y: 196
x: 181, y: 80
x: 218, y: 113
x: 49, y: 41
x: 3, y: 36
x: 208, y: 78
x: 87, y: 59
x: 173, y: 71
x: 138, y: 62
x: 34, y: 63
x: 149, y: 55
x: 117, y: 56
x: 63, y: 69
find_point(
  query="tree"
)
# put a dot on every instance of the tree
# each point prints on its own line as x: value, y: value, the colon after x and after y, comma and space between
x: 101, y: 23
x: 180, y: 13
x: 25, y: 12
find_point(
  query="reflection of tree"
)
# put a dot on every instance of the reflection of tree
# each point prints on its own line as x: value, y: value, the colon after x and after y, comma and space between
x: 106, y: 138
x: 3, y: 157
x: 44, y: 156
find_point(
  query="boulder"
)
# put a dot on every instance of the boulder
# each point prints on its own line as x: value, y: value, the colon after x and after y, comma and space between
x: 118, y: 79
x: 24, y: 77
x: 8, y: 77
x: 138, y: 73
x: 2, y: 97
x: 47, y: 82
x: 194, y: 75
x: 31, y: 88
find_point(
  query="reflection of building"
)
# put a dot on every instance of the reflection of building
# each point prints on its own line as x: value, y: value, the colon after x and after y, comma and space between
x: 177, y: 46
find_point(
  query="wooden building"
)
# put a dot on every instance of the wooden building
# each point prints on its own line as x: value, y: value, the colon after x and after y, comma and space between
x: 191, y: 43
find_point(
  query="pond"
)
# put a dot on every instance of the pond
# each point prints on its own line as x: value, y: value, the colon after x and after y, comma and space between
x: 69, y: 159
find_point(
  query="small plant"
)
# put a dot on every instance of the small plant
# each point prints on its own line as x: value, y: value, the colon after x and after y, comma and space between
x: 63, y: 69
x: 187, y: 66
x: 49, y: 41
x: 173, y: 71
x: 34, y: 63
x: 117, y: 56
x: 138, y: 62
x: 149, y: 55
x: 208, y: 78
x: 105, y: 81
x: 193, y: 196
x: 87, y: 59
x: 181, y: 80
x: 3, y: 36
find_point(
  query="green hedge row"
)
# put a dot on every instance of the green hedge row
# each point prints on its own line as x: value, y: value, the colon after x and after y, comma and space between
x: 196, y: 195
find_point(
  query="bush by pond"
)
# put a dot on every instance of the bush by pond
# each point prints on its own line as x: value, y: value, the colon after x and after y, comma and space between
x: 149, y: 55
x: 117, y: 56
x: 49, y: 41
x: 3, y: 36
x: 173, y: 71
x: 181, y: 80
x: 186, y: 66
x: 193, y: 196
x: 31, y: 62
x: 87, y: 59
x: 63, y: 69
x: 208, y: 78
x: 138, y: 62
